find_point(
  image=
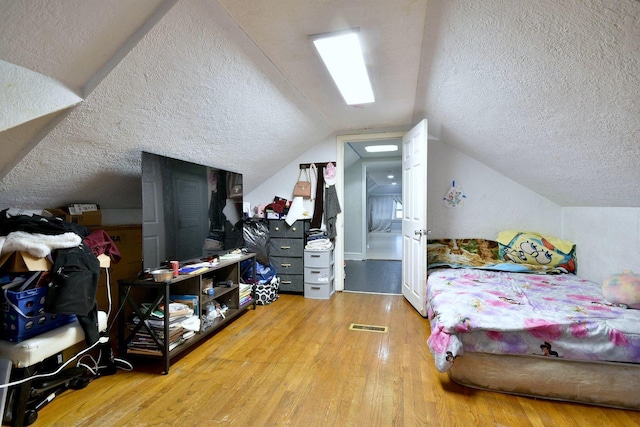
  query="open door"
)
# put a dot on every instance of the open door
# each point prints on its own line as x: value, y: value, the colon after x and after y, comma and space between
x: 414, y: 216
x: 153, y: 214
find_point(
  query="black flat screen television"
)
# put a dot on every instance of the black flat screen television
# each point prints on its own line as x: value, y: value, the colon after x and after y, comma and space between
x: 189, y: 211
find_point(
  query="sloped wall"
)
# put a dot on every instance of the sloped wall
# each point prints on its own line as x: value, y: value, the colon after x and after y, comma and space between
x: 493, y: 202
x: 607, y: 240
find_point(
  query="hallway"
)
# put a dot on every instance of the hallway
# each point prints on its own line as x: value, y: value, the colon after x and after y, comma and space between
x: 386, y: 246
x: 373, y: 276
x: 381, y: 272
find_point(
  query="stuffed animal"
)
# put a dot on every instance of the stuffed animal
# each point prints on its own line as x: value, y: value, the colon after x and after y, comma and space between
x: 623, y: 288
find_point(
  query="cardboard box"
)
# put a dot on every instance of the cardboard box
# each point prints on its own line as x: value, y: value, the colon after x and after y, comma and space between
x: 18, y: 262
x: 78, y: 214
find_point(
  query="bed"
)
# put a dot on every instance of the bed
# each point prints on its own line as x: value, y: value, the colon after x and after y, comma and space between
x: 512, y: 316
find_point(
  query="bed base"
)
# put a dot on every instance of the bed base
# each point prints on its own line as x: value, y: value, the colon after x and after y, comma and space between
x: 608, y: 384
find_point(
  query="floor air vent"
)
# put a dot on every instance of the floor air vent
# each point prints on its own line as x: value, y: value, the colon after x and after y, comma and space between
x: 368, y: 328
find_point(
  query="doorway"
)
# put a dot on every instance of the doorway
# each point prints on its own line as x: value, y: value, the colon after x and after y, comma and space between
x: 372, y: 231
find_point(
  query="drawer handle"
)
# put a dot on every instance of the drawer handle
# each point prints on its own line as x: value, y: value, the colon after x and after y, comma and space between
x: 285, y: 247
x: 315, y: 256
x: 315, y: 272
x: 317, y: 288
x: 285, y: 265
x: 286, y: 282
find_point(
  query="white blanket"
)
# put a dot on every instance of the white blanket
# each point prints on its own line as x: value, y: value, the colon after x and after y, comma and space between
x: 37, y: 245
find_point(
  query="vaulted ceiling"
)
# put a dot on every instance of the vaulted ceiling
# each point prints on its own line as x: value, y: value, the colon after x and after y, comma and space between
x: 545, y: 92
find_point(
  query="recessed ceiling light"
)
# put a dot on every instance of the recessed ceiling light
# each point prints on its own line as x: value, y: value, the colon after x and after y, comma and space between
x: 380, y: 148
x: 342, y: 55
x: 390, y: 176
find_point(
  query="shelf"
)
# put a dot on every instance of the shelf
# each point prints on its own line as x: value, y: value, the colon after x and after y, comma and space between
x: 191, y: 284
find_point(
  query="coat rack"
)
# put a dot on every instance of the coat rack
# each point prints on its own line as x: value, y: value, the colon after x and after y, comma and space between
x: 319, y: 165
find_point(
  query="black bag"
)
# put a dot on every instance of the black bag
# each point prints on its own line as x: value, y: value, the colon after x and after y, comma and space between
x: 74, y: 281
x: 256, y: 238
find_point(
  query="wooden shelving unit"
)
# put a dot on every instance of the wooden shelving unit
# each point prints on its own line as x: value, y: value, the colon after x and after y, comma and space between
x: 132, y: 293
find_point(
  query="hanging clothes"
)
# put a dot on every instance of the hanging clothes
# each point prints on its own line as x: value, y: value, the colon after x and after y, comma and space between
x: 316, y: 221
x: 331, y: 211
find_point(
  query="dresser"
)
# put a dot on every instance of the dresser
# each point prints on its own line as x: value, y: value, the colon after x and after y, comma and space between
x: 286, y: 253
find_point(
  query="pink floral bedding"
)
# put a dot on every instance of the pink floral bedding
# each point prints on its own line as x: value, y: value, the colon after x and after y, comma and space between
x: 526, y: 314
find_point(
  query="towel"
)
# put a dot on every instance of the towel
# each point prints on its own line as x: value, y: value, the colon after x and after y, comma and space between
x: 38, y: 245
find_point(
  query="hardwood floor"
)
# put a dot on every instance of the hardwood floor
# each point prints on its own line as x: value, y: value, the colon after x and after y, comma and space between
x: 296, y: 363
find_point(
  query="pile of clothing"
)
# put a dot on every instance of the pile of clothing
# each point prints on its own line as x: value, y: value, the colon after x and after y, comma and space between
x: 73, y: 251
x: 318, y: 240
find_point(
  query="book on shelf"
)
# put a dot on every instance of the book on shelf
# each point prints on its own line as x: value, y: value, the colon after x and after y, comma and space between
x: 145, y: 336
x: 158, y: 324
x: 145, y: 343
x: 144, y: 351
x: 176, y: 309
x: 156, y: 351
x: 193, y: 270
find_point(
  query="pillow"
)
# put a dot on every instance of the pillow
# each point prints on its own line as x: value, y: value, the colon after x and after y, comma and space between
x: 534, y: 249
x: 462, y: 253
x: 623, y: 288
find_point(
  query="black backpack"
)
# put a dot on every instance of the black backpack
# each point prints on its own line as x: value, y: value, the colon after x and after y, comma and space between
x: 74, y: 281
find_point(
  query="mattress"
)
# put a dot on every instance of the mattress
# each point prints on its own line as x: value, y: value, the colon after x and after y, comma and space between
x: 597, y: 383
x: 36, y: 349
x: 552, y: 316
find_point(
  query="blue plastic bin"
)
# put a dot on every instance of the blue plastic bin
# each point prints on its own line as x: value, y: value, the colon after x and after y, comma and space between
x: 23, y: 315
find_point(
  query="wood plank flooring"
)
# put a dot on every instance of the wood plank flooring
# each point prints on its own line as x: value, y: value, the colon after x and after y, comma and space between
x: 296, y: 363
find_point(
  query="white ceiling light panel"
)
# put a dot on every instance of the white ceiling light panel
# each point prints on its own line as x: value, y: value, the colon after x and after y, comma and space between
x: 342, y: 55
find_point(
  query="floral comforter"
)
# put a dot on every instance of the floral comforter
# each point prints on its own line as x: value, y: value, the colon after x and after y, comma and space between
x: 526, y: 314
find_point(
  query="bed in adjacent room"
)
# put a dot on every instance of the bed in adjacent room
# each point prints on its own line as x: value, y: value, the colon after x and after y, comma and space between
x: 511, y: 315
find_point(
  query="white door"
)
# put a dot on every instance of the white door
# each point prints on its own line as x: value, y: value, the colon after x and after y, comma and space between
x: 153, y: 220
x: 414, y: 216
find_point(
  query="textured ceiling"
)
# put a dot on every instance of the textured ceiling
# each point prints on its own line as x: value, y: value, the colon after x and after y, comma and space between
x: 545, y: 92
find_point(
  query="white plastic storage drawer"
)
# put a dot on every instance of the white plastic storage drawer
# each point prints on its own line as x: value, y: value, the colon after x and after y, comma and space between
x: 318, y: 258
x: 317, y: 291
x: 318, y: 275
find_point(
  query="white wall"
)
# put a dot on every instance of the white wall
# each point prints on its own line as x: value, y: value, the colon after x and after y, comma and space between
x: 353, y: 212
x: 607, y: 239
x: 282, y: 182
x: 494, y: 202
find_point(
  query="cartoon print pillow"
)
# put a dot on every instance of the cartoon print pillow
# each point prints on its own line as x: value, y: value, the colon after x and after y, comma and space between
x: 623, y: 288
x: 531, y: 248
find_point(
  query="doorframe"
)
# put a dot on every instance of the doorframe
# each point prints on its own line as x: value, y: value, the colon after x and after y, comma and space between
x: 341, y: 140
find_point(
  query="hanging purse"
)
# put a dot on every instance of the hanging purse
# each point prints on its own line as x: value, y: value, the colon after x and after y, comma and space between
x: 302, y: 188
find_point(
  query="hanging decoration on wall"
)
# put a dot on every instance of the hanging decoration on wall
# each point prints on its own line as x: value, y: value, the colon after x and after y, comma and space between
x: 454, y: 197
